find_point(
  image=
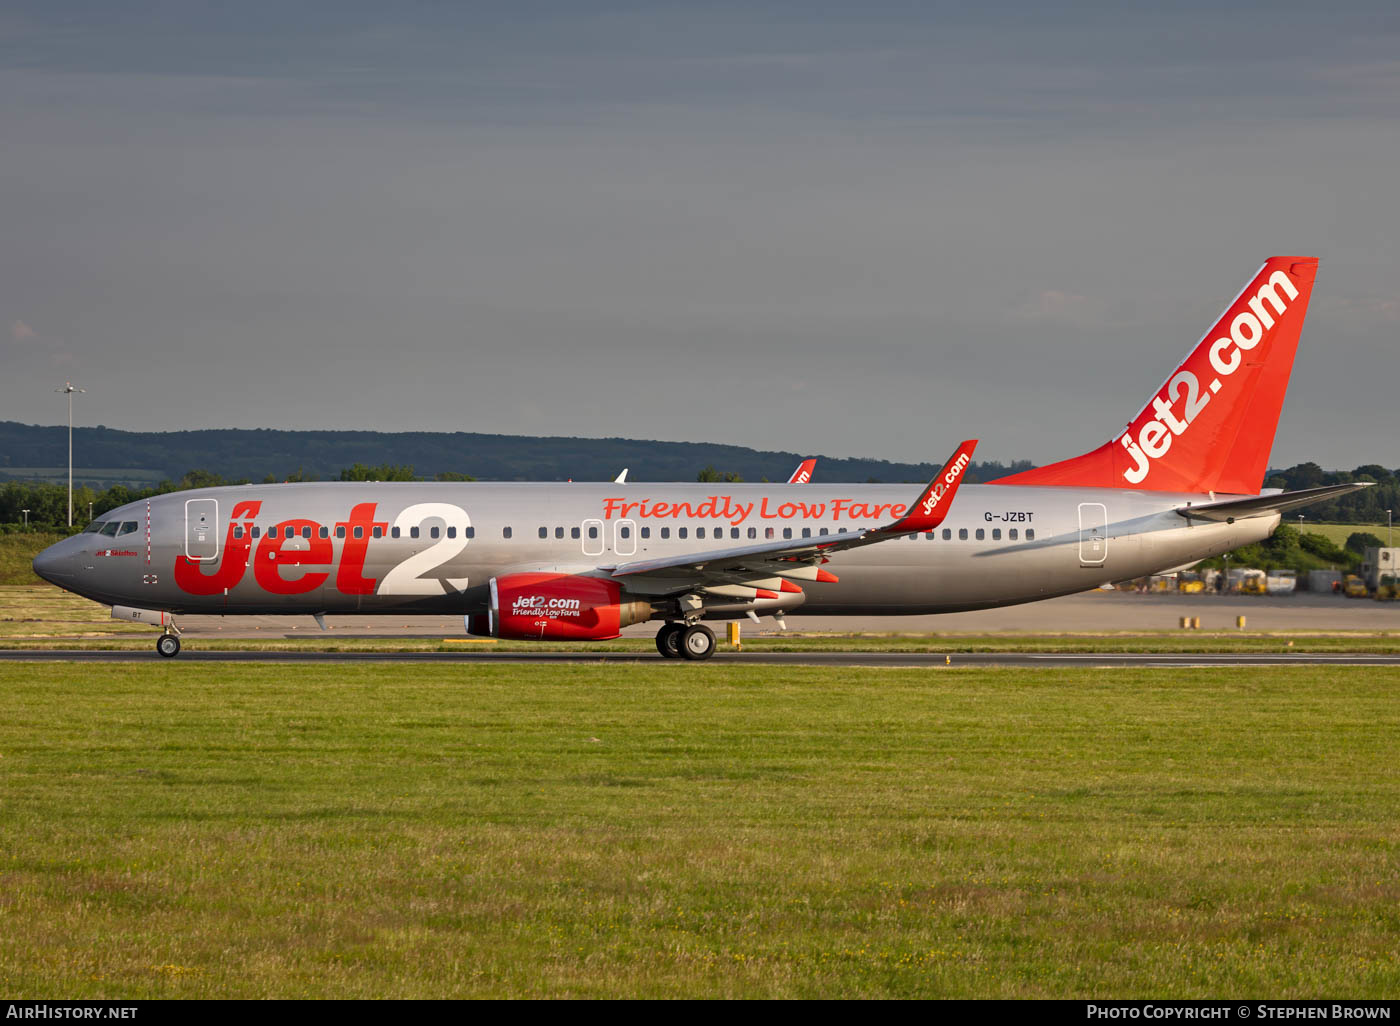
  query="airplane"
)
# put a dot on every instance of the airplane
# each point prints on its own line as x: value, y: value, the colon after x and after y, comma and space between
x: 579, y: 562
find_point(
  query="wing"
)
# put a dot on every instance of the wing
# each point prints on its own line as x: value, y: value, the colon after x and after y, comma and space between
x: 1230, y: 510
x: 803, y: 473
x: 766, y: 569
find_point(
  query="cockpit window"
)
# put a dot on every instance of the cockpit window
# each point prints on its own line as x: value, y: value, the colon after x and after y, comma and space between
x: 109, y: 529
x: 94, y: 527
x: 128, y: 527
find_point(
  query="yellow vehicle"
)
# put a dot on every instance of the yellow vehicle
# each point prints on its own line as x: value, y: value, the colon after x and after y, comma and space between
x: 1354, y: 587
x: 1254, y: 585
x: 1189, y: 583
x: 1388, y: 590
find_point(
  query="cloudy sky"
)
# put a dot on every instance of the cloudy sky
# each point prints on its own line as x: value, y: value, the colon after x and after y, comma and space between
x: 858, y: 229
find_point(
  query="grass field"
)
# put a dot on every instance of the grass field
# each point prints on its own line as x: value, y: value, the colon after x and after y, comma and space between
x: 1338, y: 534
x: 181, y: 830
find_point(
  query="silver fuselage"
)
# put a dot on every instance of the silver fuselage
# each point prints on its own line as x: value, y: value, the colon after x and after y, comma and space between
x: 433, y: 547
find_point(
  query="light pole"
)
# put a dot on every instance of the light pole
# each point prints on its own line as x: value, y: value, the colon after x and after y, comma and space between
x: 26, y: 518
x: 68, y: 390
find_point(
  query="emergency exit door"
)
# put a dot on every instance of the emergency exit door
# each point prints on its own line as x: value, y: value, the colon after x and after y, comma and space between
x: 202, y: 529
x: 1093, y: 533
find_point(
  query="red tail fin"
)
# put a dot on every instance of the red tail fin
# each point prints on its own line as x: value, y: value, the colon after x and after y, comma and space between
x: 803, y: 473
x: 1211, y: 426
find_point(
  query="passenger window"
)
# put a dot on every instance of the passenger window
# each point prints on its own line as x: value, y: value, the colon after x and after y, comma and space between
x: 128, y: 527
x: 558, y: 532
x: 787, y: 532
x: 452, y: 532
x: 996, y: 534
x: 680, y: 532
x: 378, y: 531
x: 699, y: 532
x: 359, y: 532
x: 434, y: 531
x: 733, y: 532
x: 1030, y: 534
x: 981, y: 534
x: 962, y: 534
x: 593, y: 532
x: 255, y: 531
x: 339, y: 531
x: 626, y: 531
x: 471, y: 532
x: 947, y: 534
x: 1011, y: 534
x: 237, y: 531
x: 753, y: 532
x: 806, y: 532
x: 505, y: 532
x: 646, y: 532
x: 767, y: 532
x: 110, y: 530
x: 665, y: 532
x: 544, y: 532
x: 823, y: 531
x: 573, y: 532
x: 413, y: 532
x: 928, y: 536
x: 393, y: 532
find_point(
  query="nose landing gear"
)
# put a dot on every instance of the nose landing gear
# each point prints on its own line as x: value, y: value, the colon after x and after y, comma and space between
x: 168, y: 644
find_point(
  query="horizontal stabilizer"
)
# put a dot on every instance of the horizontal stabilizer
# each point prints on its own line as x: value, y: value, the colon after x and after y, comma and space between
x: 1231, y: 510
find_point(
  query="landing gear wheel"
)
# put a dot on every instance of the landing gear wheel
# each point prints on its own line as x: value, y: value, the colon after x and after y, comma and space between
x: 698, y: 642
x: 168, y: 645
x: 668, y: 640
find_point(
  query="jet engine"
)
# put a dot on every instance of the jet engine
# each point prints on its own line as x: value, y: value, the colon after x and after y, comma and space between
x: 543, y: 606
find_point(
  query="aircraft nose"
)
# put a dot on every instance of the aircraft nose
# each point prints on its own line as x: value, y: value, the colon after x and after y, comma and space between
x: 55, y: 563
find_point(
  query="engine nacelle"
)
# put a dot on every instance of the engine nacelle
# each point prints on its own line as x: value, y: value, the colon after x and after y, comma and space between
x: 543, y: 606
x: 154, y: 617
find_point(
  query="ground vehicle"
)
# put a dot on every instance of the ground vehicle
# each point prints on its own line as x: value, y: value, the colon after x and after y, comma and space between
x: 1388, y: 590
x: 1190, y: 583
x: 1354, y: 587
x: 1281, y: 582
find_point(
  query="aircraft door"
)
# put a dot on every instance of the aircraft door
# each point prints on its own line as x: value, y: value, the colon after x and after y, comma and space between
x: 592, y: 537
x: 202, y: 529
x: 624, y: 537
x: 1093, y: 533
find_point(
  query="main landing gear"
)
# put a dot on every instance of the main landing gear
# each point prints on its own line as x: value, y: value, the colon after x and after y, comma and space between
x: 685, y: 641
x: 168, y: 645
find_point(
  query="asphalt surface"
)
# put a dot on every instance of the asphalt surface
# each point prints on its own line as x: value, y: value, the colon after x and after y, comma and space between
x: 867, y: 659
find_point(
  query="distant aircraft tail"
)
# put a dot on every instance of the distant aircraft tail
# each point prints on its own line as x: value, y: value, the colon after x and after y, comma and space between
x: 1211, y: 426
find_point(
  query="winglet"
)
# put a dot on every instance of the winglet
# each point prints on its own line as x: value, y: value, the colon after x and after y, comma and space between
x: 803, y: 473
x: 933, y: 502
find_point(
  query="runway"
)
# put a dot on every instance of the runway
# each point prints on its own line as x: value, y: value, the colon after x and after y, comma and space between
x: 928, y: 660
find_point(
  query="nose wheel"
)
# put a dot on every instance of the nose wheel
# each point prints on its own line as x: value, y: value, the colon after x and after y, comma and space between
x: 168, y: 645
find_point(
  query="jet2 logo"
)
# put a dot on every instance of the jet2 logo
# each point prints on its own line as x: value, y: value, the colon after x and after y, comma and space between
x: 548, y: 608
x: 1247, y: 329
x: 940, y: 488
x: 293, y: 558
